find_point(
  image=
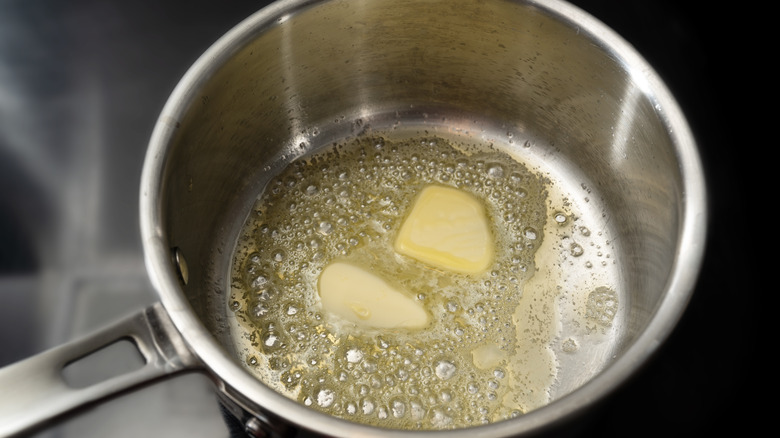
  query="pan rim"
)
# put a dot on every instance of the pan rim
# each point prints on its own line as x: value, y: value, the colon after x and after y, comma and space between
x: 229, y: 374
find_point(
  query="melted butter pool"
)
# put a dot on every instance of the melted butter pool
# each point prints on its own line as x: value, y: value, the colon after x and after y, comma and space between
x: 498, y: 339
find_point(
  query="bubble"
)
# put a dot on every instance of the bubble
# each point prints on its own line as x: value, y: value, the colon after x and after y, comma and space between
x: 367, y: 406
x: 260, y: 310
x: 325, y: 228
x: 271, y: 340
x: 416, y: 410
x: 325, y: 398
x: 602, y: 306
x: 398, y: 408
x: 369, y: 366
x: 569, y: 345
x: 495, y: 171
x: 354, y: 355
x: 452, y: 306
x: 440, y: 418
x: 445, y: 369
x: 259, y: 282
x: 576, y: 249
x: 278, y: 255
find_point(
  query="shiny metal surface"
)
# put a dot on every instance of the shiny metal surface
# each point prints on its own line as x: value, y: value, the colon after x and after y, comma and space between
x: 299, y: 75
x: 52, y: 391
x: 80, y: 87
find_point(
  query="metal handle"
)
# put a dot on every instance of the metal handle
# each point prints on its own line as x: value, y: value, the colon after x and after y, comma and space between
x: 33, y: 391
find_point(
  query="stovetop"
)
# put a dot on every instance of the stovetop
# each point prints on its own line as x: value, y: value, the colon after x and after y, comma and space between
x: 81, y: 85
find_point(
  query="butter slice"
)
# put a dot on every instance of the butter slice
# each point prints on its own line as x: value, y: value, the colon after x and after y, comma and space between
x: 365, y: 299
x: 447, y: 228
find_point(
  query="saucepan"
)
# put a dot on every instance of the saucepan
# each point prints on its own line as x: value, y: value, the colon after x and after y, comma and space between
x: 320, y: 118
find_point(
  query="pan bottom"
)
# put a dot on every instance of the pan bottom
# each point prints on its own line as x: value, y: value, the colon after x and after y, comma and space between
x: 555, y: 316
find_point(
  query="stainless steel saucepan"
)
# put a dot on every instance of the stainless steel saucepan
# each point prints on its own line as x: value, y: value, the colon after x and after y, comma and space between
x: 542, y: 79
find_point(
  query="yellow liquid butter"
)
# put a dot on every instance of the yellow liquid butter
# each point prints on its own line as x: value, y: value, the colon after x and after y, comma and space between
x: 380, y: 282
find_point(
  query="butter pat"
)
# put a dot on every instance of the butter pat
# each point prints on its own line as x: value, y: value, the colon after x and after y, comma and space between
x: 447, y: 228
x: 363, y: 298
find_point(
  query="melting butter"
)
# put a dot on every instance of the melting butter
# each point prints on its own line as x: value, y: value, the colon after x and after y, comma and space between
x: 363, y: 298
x: 447, y: 228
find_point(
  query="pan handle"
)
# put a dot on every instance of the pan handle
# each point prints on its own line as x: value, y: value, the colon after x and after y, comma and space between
x: 34, y: 391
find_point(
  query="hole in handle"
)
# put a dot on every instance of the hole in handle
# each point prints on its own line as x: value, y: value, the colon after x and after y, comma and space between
x: 115, y: 359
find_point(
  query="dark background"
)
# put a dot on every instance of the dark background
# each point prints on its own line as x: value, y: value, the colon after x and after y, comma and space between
x: 82, y: 82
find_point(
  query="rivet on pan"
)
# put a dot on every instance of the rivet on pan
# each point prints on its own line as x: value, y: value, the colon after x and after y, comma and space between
x: 181, y: 265
x: 254, y: 428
